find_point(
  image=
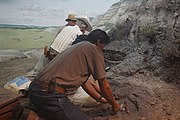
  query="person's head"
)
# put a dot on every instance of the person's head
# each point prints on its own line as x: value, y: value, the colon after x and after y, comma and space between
x: 98, y: 37
x: 84, y: 24
x: 71, y: 20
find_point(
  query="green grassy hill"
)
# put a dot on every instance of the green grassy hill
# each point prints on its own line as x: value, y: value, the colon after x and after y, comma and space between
x: 25, y: 37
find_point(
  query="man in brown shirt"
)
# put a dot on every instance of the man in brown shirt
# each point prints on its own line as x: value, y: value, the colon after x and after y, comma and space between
x: 68, y: 71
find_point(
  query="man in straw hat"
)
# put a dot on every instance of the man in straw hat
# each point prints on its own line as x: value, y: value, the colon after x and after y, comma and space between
x: 65, y: 36
x: 71, y: 21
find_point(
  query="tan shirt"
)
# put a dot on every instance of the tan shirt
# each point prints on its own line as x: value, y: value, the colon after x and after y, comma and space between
x: 72, y: 67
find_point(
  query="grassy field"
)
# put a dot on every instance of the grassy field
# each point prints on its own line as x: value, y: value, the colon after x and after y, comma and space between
x: 23, y: 39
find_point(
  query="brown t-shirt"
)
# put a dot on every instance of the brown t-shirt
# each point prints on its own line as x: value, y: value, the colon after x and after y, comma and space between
x: 72, y: 67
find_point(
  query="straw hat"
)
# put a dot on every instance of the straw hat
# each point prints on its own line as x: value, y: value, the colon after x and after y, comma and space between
x: 71, y: 17
x: 86, y: 21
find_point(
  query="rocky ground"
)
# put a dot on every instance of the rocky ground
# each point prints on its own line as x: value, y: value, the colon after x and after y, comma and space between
x: 149, y: 96
x: 15, y: 67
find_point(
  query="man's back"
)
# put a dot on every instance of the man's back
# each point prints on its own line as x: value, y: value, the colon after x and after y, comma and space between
x: 65, y: 38
x: 74, y: 65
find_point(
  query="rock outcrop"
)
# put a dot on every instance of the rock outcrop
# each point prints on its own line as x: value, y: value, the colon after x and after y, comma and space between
x: 146, y: 32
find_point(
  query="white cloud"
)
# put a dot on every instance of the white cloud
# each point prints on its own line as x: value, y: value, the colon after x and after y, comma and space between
x: 48, y: 12
x: 31, y: 7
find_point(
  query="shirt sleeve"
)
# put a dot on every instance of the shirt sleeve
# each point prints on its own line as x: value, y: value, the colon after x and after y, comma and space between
x: 96, y: 64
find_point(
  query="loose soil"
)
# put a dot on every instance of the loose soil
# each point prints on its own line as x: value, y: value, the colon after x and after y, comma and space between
x: 149, y: 96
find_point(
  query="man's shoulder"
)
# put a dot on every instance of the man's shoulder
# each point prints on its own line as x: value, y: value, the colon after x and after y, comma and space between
x: 71, y: 29
x: 87, y: 45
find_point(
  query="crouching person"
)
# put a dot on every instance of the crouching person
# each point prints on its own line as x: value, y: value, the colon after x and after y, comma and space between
x: 68, y: 71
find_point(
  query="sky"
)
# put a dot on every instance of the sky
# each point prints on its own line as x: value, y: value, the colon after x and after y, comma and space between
x: 49, y: 12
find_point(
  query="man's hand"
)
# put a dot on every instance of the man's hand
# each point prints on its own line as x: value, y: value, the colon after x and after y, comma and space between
x: 116, y: 107
x: 102, y: 100
x: 108, y: 95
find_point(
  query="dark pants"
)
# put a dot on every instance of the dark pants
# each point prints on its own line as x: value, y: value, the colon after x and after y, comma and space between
x: 54, y: 106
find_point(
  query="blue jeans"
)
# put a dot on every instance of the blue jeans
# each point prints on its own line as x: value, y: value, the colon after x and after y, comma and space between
x: 54, y: 106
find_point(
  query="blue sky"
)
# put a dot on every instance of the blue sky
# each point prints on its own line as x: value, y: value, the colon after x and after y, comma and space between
x: 49, y: 12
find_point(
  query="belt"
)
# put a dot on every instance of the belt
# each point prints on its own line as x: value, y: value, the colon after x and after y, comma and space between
x: 52, y: 87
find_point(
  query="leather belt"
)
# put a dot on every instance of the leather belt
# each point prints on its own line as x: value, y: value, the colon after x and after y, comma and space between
x: 50, y: 88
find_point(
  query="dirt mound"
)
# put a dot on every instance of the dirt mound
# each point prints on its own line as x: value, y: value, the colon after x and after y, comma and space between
x: 147, y: 96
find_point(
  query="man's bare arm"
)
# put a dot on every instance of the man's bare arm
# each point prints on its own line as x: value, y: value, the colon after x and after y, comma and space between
x: 106, y: 92
x: 92, y: 91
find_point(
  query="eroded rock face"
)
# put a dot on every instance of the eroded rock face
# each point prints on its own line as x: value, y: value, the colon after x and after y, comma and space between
x: 148, y: 28
x: 144, y: 55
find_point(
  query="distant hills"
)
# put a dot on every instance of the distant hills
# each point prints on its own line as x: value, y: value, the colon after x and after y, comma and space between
x: 25, y: 26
